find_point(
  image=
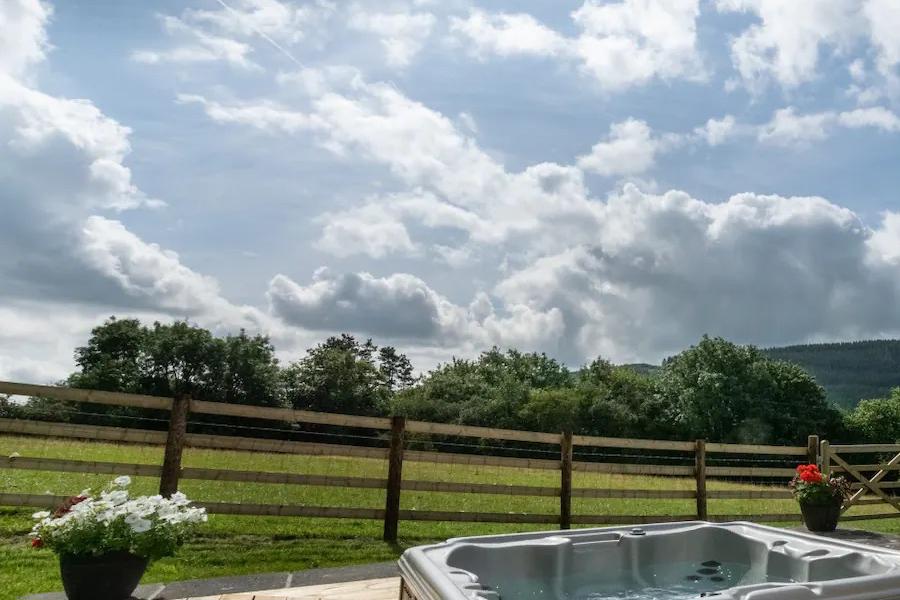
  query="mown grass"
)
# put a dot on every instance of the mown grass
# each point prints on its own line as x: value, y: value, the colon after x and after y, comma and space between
x: 231, y: 545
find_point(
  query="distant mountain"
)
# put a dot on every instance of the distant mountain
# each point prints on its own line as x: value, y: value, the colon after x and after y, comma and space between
x: 642, y: 368
x: 849, y: 371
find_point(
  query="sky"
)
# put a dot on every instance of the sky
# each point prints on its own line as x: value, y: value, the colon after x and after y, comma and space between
x: 596, y: 178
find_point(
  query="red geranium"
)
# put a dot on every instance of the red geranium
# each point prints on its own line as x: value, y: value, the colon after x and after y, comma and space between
x: 37, y: 543
x: 809, y: 474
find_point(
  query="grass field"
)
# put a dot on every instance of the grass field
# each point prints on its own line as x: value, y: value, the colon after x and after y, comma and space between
x: 231, y: 545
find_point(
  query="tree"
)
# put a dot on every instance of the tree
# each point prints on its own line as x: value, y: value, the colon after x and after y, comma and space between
x: 725, y: 392
x: 492, y: 390
x: 338, y: 375
x: 113, y: 358
x: 876, y: 420
x: 396, y: 369
x: 250, y: 371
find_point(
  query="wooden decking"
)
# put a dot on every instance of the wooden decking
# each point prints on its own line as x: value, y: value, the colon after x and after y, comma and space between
x: 369, y: 589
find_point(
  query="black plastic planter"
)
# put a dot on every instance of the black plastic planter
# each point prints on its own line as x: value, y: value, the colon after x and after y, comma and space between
x: 821, y: 517
x: 112, y: 576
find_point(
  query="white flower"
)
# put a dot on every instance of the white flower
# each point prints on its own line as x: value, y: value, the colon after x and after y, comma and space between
x: 122, y: 481
x: 179, y: 499
x: 41, y: 515
x: 115, y: 497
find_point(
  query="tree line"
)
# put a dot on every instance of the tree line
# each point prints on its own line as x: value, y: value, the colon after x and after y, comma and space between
x: 715, y: 390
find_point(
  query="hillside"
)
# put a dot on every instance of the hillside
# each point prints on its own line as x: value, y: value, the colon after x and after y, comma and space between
x: 849, y: 371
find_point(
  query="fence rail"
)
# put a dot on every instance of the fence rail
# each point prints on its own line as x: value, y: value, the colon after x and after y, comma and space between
x: 394, y: 434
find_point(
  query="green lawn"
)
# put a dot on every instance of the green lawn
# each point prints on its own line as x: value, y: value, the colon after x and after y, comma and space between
x: 232, y: 545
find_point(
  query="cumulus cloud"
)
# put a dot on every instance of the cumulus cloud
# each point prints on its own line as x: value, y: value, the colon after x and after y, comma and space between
x: 664, y: 269
x: 505, y: 34
x: 631, y: 148
x: 403, y: 307
x: 24, y: 41
x: 402, y: 34
x: 63, y: 177
x: 789, y: 128
x: 789, y: 40
x: 619, y: 44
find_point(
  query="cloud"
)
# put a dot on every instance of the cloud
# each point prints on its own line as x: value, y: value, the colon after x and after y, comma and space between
x: 787, y: 43
x: 402, y: 34
x: 284, y: 22
x: 630, y: 149
x: 664, y: 269
x: 717, y: 131
x: 619, y: 44
x: 505, y: 34
x: 24, y: 40
x: 403, y: 307
x: 788, y: 128
x: 197, y: 46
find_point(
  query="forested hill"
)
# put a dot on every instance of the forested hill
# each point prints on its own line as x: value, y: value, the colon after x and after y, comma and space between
x: 849, y: 371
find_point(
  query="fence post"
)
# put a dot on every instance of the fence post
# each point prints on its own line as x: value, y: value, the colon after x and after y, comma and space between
x: 171, y: 469
x: 700, y: 474
x: 394, y: 480
x: 565, y: 487
x: 812, y: 450
x: 825, y: 458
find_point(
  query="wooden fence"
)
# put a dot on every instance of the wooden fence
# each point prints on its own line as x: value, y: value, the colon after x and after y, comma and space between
x: 398, y: 433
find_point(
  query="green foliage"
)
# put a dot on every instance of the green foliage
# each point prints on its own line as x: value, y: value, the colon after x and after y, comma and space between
x: 876, y: 420
x: 849, y: 371
x: 725, y: 392
x: 343, y: 375
x: 123, y: 355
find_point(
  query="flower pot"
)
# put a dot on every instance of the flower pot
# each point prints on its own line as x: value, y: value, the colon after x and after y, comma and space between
x: 821, y: 517
x: 112, y: 576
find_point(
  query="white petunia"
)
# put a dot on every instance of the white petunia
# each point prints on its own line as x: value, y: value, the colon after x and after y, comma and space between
x: 140, y: 526
x: 122, y: 481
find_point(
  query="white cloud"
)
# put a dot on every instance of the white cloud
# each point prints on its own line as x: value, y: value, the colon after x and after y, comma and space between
x: 630, y: 149
x: 789, y: 128
x: 620, y: 44
x: 790, y: 39
x: 24, y: 40
x: 876, y: 116
x: 884, y: 23
x: 369, y: 229
x: 664, y: 269
x: 403, y: 307
x: 505, y: 34
x: 402, y: 34
x: 197, y: 46
x: 284, y: 22
x: 717, y: 131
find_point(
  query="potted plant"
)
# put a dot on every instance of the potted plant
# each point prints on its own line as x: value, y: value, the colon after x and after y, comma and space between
x: 820, y: 499
x: 105, y: 541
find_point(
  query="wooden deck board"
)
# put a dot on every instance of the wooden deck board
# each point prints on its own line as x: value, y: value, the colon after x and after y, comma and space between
x: 369, y: 589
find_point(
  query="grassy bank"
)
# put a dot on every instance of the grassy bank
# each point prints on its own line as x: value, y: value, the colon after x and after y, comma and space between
x: 233, y: 545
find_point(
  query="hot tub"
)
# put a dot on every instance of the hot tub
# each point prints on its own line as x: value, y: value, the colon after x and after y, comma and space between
x: 670, y: 561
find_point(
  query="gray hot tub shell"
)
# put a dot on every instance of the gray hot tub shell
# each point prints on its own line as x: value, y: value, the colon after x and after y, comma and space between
x: 731, y: 561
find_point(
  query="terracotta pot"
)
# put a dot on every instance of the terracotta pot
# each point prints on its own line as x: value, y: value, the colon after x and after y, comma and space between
x: 821, y: 517
x: 112, y: 576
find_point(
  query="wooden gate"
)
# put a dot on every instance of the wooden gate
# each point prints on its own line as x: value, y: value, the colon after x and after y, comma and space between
x: 832, y: 461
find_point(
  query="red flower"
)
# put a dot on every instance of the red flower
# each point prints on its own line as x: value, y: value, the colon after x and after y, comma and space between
x: 809, y: 474
x: 37, y: 543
